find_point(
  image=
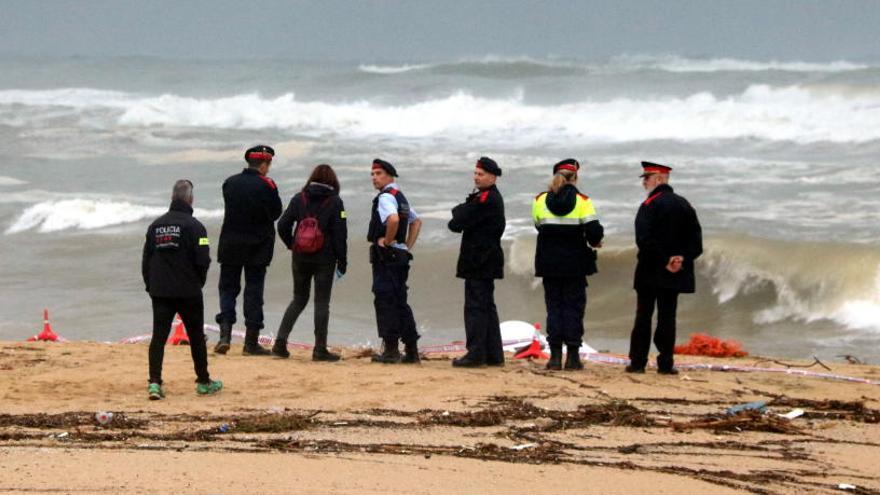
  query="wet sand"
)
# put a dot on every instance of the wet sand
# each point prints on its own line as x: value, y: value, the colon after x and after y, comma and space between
x: 358, y: 427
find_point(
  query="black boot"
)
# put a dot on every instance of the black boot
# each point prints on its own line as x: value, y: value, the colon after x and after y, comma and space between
x: 573, y: 358
x: 322, y: 354
x: 555, y: 362
x: 252, y: 345
x: 411, y: 354
x: 467, y: 361
x: 279, y: 349
x: 225, y: 338
x: 390, y: 353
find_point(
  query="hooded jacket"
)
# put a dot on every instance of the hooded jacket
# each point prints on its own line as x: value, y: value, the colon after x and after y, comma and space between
x: 567, y: 227
x: 324, y: 203
x: 176, y: 254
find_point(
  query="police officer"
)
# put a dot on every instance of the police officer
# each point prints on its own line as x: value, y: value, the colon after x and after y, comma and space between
x: 174, y: 266
x: 480, y: 220
x: 247, y: 239
x: 393, y: 231
x: 669, y: 239
x: 568, y: 230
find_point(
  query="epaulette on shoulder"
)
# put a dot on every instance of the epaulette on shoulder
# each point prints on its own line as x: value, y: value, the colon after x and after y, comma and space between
x: 393, y: 192
x: 583, y: 196
x: 484, y: 196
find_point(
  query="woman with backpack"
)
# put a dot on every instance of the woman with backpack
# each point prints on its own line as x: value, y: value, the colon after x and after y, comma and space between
x: 314, y: 228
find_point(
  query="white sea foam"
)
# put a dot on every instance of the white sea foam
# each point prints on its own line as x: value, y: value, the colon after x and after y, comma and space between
x: 791, y: 113
x: 87, y: 214
x: 391, y: 69
x: 11, y: 181
x: 675, y: 63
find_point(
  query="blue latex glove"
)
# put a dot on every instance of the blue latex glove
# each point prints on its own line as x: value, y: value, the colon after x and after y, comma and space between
x: 339, y: 274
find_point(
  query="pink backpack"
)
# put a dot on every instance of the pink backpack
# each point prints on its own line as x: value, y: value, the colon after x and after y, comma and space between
x: 308, y: 237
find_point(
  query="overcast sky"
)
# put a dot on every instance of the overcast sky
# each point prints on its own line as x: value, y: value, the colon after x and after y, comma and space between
x: 387, y: 30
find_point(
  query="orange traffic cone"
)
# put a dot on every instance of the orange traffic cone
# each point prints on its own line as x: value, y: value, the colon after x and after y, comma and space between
x: 47, y: 334
x: 179, y: 337
x: 533, y: 350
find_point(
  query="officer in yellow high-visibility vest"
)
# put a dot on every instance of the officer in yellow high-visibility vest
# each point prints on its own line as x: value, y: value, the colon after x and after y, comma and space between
x: 568, y: 230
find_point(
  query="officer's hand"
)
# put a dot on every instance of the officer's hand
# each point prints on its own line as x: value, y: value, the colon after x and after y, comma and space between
x: 674, y: 265
x: 597, y: 245
x: 380, y: 242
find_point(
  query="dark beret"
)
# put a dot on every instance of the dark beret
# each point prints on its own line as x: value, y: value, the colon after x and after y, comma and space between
x: 489, y: 165
x: 567, y: 164
x: 387, y: 167
x: 259, y: 153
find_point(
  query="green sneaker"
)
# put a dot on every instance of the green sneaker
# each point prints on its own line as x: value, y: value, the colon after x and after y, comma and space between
x: 209, y: 388
x: 155, y: 391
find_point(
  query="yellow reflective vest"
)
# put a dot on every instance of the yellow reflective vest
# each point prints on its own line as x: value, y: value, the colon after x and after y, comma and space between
x: 582, y: 212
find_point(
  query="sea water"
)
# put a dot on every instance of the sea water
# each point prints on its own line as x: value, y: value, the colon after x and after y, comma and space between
x: 778, y: 157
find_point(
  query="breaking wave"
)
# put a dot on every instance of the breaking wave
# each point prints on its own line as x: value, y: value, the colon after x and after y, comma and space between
x: 764, y: 281
x: 792, y: 113
x: 86, y: 214
x: 619, y: 64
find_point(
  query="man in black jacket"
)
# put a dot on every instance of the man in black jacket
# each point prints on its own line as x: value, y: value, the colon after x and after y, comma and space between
x: 247, y: 239
x: 480, y: 220
x: 174, y: 266
x: 669, y: 239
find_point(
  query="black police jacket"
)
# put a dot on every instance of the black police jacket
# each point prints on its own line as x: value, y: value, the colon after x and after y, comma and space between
x: 324, y: 203
x: 480, y: 219
x: 252, y: 205
x: 666, y: 225
x: 564, y: 250
x: 176, y: 254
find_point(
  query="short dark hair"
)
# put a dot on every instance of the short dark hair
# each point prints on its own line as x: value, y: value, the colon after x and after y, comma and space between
x: 323, y: 174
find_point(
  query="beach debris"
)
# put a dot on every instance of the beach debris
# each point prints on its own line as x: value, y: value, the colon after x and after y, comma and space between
x: 758, y: 405
x: 274, y: 422
x: 851, y: 359
x: 831, y: 409
x: 702, y: 344
x: 524, y: 446
x: 103, y: 417
x: 545, y: 423
x: 815, y: 362
x: 744, y: 420
x: 846, y: 486
x: 466, y: 418
x: 67, y: 420
x: 224, y: 428
x: 794, y: 413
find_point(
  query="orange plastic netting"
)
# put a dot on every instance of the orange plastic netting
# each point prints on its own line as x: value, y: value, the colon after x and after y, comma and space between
x: 706, y: 345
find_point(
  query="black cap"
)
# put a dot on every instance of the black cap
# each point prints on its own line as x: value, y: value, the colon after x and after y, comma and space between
x: 489, y: 165
x: 387, y: 167
x: 567, y: 164
x: 260, y: 153
x: 649, y: 168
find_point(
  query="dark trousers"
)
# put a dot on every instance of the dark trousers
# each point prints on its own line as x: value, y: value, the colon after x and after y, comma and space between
x: 394, y: 317
x: 481, y: 327
x: 566, y: 301
x: 303, y: 273
x: 230, y: 287
x: 664, y: 338
x: 192, y: 312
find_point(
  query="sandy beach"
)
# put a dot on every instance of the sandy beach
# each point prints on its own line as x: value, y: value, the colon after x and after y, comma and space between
x: 358, y: 427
